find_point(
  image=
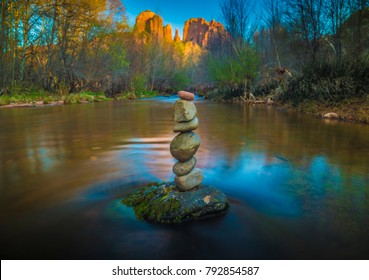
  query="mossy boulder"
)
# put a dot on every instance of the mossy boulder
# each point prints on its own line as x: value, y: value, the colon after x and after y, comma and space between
x: 167, y: 204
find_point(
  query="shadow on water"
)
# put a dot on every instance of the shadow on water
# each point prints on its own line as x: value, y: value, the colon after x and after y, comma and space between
x: 298, y: 186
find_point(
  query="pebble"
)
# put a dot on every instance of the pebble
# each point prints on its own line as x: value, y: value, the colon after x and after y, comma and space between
x: 189, y: 181
x: 184, y: 111
x: 186, y: 95
x: 183, y: 168
x: 186, y: 126
x: 184, y: 146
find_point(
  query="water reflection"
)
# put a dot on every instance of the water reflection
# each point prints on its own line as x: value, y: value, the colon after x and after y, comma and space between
x: 298, y: 186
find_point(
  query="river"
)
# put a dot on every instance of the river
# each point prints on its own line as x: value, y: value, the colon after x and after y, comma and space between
x: 298, y: 186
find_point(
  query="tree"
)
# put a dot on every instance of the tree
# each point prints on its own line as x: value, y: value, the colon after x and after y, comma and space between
x: 239, y: 18
x: 308, y: 23
x: 237, y: 67
x: 337, y: 12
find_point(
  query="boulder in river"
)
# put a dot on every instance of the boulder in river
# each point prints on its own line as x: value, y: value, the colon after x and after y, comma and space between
x: 184, y: 111
x: 166, y: 204
x: 184, y: 145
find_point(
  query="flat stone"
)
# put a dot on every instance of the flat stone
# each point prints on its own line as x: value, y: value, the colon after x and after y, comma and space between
x: 186, y: 95
x: 183, y: 168
x: 166, y: 204
x: 186, y: 126
x: 184, y: 146
x: 184, y: 111
x: 189, y: 181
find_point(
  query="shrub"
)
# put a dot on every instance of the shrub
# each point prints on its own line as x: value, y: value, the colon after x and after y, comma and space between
x: 329, y: 81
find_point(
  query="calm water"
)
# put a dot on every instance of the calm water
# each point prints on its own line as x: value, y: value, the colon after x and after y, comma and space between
x: 298, y: 186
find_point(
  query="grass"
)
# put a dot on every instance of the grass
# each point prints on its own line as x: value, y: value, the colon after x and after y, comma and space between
x: 138, y: 94
x: 31, y: 96
x: 84, y: 97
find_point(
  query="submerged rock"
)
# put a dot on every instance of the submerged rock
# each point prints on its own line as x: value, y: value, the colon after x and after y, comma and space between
x: 184, y: 111
x: 184, y: 146
x: 183, y: 168
x: 189, y: 181
x: 186, y: 126
x: 167, y: 204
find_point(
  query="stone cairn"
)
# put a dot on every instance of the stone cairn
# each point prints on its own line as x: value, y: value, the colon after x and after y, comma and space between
x: 185, y: 145
x: 187, y: 199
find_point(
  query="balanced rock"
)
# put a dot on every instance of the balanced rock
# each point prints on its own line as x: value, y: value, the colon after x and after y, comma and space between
x: 183, y: 168
x: 186, y: 95
x: 189, y: 181
x: 184, y: 111
x: 184, y: 145
x: 186, y: 126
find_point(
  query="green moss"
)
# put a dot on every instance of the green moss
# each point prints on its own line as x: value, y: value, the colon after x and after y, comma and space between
x: 155, y: 203
x: 166, y: 204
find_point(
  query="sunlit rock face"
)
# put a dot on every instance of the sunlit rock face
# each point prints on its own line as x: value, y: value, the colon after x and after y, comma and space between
x: 197, y: 31
x: 167, y: 33
x: 151, y: 24
x: 176, y: 37
x: 201, y: 32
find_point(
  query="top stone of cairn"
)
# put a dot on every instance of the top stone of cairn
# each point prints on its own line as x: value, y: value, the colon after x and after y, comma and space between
x: 186, y: 95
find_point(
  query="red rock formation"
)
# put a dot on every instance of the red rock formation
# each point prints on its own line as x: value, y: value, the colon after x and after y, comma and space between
x: 150, y: 23
x: 197, y: 31
x: 141, y: 21
x: 167, y: 33
x: 202, y: 32
x: 176, y: 37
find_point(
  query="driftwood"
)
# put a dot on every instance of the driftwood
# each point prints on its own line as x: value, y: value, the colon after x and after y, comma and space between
x: 253, y: 101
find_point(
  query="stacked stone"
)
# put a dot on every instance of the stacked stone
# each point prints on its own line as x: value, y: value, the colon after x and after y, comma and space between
x: 185, y: 145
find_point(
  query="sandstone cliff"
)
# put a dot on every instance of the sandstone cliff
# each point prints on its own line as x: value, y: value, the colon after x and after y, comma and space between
x: 197, y: 31
x: 151, y: 24
x: 201, y: 32
x: 167, y: 33
x: 176, y: 37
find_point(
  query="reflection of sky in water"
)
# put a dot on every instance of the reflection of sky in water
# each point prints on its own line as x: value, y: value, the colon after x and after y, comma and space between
x: 252, y: 179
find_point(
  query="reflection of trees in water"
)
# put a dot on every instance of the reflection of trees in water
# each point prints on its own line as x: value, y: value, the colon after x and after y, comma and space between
x: 233, y: 129
x: 327, y: 163
x: 48, y: 151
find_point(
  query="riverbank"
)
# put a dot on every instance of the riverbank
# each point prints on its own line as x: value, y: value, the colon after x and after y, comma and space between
x: 41, y: 98
x: 37, y: 99
x: 352, y: 110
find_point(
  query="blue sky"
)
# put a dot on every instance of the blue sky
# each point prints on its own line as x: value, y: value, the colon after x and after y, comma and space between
x: 174, y: 12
